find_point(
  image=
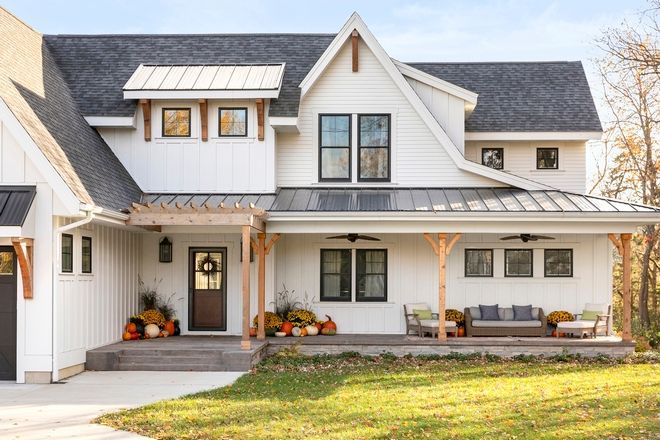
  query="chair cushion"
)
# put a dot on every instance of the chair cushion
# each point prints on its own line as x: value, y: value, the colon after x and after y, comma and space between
x: 589, y: 315
x: 423, y: 314
x: 489, y: 312
x: 434, y: 323
x: 522, y: 313
x: 414, y: 306
x: 579, y: 324
x: 511, y: 324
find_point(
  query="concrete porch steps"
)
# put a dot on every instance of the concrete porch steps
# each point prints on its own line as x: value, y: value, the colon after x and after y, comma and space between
x: 193, y: 353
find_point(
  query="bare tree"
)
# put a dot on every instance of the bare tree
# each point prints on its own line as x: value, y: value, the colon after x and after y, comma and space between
x: 630, y: 74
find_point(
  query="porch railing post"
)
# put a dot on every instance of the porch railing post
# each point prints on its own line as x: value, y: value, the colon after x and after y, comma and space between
x: 245, y: 340
x: 261, y: 299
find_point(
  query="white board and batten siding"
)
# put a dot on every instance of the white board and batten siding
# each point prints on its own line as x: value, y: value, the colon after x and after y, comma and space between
x: 413, y: 277
x: 417, y: 158
x: 520, y: 159
x: 187, y: 164
x: 93, y: 308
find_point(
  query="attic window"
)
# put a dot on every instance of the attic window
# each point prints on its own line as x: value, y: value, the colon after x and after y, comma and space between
x: 493, y: 158
x: 547, y: 158
x: 233, y: 122
x: 176, y: 122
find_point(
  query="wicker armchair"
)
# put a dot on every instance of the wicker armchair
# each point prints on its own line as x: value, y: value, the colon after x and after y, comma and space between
x: 422, y: 326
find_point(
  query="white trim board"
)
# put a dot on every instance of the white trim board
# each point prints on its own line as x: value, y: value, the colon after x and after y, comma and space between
x: 200, y: 94
x: 356, y: 23
x: 112, y: 121
x: 437, y: 83
x: 533, y: 135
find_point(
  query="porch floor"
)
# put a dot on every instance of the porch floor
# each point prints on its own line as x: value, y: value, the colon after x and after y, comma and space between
x: 223, y: 353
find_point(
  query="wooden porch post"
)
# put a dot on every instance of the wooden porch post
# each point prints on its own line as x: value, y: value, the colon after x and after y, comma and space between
x: 245, y: 340
x: 627, y: 287
x: 442, y: 286
x: 261, y: 301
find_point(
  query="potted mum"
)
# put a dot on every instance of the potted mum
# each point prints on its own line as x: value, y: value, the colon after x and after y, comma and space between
x: 556, y: 317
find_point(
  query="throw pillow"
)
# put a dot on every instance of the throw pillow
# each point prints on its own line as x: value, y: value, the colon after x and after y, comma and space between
x: 522, y: 313
x: 489, y: 313
x: 590, y: 315
x: 423, y: 314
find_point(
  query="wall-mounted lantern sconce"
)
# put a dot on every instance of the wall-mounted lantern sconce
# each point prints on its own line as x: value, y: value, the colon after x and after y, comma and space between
x: 165, y: 251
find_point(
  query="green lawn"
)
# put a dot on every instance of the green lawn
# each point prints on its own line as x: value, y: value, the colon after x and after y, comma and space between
x: 347, y: 397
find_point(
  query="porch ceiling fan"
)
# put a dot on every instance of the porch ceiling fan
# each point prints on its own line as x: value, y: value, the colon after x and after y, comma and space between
x: 353, y: 237
x: 527, y: 237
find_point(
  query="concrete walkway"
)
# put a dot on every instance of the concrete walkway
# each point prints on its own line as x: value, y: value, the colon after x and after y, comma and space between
x: 65, y: 410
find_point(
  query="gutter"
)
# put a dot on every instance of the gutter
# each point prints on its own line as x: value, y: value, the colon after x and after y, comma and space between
x: 89, y: 216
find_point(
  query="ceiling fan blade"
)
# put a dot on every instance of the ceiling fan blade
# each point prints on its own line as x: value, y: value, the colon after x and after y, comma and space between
x: 367, y: 237
x: 543, y: 237
x: 511, y: 237
x: 337, y: 237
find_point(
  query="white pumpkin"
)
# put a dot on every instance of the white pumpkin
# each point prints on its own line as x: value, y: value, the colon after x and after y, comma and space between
x: 295, y: 332
x: 280, y: 334
x: 152, y: 331
x: 312, y: 330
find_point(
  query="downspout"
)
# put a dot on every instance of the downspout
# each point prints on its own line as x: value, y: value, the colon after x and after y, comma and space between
x: 89, y: 216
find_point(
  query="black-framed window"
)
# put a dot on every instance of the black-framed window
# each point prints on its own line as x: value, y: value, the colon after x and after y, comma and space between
x: 232, y: 121
x: 478, y: 262
x: 67, y: 253
x: 374, y: 148
x: 518, y: 262
x: 493, y: 158
x: 86, y: 255
x: 176, y: 122
x: 558, y: 262
x: 371, y: 275
x: 335, y: 148
x: 547, y: 158
x: 336, y: 275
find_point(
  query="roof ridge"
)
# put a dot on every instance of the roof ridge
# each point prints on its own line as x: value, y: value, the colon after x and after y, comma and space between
x: 493, y: 62
x: 226, y: 34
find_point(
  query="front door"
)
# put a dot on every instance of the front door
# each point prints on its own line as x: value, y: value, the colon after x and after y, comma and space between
x: 7, y: 313
x: 207, y: 289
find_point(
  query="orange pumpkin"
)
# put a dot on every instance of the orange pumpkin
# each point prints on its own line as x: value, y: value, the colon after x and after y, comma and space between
x: 319, y: 325
x: 253, y: 331
x: 329, y: 323
x: 169, y: 326
x: 131, y: 327
x: 126, y: 336
x: 303, y: 331
x: 286, y: 327
x: 461, y: 332
x: 135, y: 336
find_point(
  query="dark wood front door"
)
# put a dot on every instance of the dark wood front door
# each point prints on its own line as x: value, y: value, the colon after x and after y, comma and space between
x: 7, y: 313
x: 207, y: 289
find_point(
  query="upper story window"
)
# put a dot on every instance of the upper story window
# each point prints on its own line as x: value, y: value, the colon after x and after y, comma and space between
x: 233, y: 122
x: 335, y: 148
x: 547, y: 158
x: 176, y: 122
x: 86, y: 255
x: 67, y: 253
x: 374, y: 148
x: 493, y: 157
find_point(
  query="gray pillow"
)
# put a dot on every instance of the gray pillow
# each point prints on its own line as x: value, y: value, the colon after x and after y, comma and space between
x: 489, y: 313
x: 522, y: 313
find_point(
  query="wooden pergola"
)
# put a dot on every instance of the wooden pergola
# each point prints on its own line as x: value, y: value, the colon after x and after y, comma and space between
x: 248, y: 218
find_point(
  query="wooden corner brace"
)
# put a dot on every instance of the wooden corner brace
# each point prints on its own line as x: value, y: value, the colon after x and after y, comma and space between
x: 355, y: 44
x: 146, y: 112
x: 24, y: 257
x: 204, y: 117
x: 260, y: 119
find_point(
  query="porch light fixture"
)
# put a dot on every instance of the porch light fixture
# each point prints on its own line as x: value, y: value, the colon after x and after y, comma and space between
x: 165, y: 251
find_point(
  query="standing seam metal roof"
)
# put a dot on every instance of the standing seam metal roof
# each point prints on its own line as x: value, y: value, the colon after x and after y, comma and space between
x: 15, y: 202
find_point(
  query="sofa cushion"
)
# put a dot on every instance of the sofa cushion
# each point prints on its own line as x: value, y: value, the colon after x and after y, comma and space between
x: 505, y: 313
x: 535, y: 312
x: 423, y: 314
x: 522, y: 313
x: 508, y: 324
x: 475, y: 312
x: 489, y: 312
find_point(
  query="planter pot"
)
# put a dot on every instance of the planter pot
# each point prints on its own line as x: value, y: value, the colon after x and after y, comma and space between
x: 461, y: 332
x: 253, y: 331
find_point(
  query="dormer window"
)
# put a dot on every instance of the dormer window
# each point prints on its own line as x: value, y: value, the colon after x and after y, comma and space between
x: 493, y: 158
x: 233, y: 122
x: 176, y: 122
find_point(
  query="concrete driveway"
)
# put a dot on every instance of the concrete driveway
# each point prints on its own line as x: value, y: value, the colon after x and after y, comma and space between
x: 65, y: 410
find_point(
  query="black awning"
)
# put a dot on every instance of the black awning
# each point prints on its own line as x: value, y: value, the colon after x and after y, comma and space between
x: 15, y: 202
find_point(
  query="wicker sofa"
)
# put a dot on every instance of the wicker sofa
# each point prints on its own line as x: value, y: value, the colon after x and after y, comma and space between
x: 506, y: 326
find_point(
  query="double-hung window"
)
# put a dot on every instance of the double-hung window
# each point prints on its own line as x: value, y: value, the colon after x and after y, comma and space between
x: 343, y: 269
x: 371, y: 275
x: 374, y: 148
x: 335, y: 148
x: 336, y: 275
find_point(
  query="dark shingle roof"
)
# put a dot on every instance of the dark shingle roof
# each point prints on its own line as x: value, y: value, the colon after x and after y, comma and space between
x: 15, y: 202
x: 523, y: 96
x: 438, y: 200
x: 97, y: 67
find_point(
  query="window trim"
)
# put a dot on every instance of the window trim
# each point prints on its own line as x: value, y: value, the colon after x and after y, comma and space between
x: 492, y: 263
x: 220, y: 109
x: 531, y: 263
x: 349, y: 146
x: 91, y: 253
x: 162, y: 117
x: 556, y: 149
x: 500, y: 149
x: 358, y: 298
x: 340, y: 298
x: 388, y: 147
x: 545, y: 268
x: 62, y: 268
